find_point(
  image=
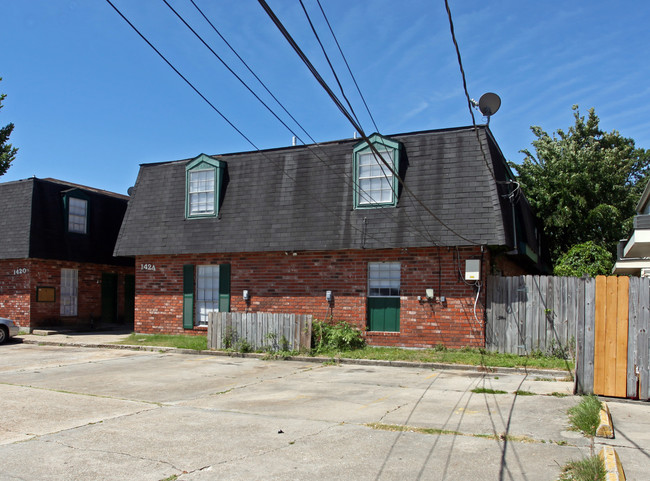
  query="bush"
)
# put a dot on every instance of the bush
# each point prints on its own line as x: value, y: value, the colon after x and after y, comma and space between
x: 584, y: 259
x: 340, y: 336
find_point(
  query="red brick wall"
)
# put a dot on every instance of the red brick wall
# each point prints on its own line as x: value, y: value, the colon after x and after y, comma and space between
x: 18, y: 292
x: 296, y: 283
x: 14, y: 290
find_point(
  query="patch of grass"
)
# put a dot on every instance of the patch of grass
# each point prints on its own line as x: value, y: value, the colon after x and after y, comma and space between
x: 587, y: 469
x: 485, y: 390
x: 173, y: 477
x: 437, y: 431
x: 585, y: 416
x: 558, y: 394
x: 469, y: 356
x: 525, y: 393
x: 198, y: 343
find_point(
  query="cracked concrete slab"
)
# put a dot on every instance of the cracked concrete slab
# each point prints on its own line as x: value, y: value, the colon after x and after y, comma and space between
x: 154, y: 415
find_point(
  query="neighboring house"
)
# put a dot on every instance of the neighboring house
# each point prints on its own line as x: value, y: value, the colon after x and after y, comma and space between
x: 634, y: 253
x: 56, y: 255
x: 328, y: 230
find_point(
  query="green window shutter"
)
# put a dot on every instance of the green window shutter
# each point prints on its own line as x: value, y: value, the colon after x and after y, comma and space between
x: 383, y: 314
x: 188, y: 296
x: 224, y: 288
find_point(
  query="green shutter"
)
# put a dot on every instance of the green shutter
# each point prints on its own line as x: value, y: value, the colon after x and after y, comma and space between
x: 383, y: 314
x: 188, y: 296
x: 224, y: 288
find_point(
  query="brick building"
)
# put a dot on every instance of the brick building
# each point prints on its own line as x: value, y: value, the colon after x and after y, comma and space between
x: 56, y: 255
x: 400, y: 247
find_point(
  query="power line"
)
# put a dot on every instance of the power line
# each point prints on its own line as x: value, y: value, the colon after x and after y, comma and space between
x: 347, y: 115
x: 363, y: 192
x: 336, y: 77
x: 348, y: 66
x: 276, y: 163
x: 469, y: 101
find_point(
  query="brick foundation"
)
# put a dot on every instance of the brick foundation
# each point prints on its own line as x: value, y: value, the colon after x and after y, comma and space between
x: 296, y: 283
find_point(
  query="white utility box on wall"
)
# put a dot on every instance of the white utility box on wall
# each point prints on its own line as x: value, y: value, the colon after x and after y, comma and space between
x: 472, y: 270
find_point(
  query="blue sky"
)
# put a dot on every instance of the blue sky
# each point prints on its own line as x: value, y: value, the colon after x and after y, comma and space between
x: 91, y: 101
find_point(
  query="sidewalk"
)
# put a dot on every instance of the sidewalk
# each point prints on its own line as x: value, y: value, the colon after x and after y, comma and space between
x: 82, y: 339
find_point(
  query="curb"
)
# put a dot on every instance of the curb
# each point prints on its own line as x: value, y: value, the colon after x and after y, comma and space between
x: 605, y: 429
x: 469, y: 369
x: 613, y: 467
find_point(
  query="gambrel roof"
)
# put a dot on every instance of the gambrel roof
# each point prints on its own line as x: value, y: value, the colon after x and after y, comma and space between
x: 33, y: 225
x: 302, y: 198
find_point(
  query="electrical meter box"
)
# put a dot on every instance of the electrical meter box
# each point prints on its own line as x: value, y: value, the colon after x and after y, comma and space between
x: 472, y: 270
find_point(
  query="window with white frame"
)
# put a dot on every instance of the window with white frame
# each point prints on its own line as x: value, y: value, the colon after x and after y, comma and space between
x: 207, y: 293
x: 201, y: 192
x: 203, y: 183
x: 69, y: 292
x: 77, y: 215
x: 375, y: 168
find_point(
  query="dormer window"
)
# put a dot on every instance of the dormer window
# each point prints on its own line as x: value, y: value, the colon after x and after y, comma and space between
x: 203, y: 177
x: 75, y: 204
x: 77, y: 215
x: 375, y: 185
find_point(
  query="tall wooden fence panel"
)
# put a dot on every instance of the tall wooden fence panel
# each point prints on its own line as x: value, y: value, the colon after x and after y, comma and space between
x: 530, y: 313
x: 638, y: 350
x: 259, y: 330
x: 606, y: 320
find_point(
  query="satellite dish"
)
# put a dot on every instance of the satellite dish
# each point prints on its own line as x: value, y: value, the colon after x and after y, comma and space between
x: 489, y: 103
x: 129, y: 191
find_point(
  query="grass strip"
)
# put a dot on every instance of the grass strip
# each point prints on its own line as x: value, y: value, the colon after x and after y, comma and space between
x: 587, y: 469
x: 468, y: 356
x: 437, y: 431
x: 585, y: 416
x: 180, y: 341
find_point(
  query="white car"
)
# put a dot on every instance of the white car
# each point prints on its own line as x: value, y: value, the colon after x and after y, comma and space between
x: 8, y: 328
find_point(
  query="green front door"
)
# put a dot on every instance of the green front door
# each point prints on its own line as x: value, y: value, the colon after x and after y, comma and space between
x: 383, y: 314
x: 109, y: 297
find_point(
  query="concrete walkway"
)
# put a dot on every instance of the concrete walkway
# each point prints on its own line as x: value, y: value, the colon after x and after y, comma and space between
x: 631, y: 420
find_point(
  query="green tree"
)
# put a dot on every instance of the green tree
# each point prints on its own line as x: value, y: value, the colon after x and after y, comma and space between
x: 7, y: 151
x: 584, y: 259
x: 583, y: 183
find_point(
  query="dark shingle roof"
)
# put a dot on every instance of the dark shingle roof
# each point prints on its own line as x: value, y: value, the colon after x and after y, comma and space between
x: 289, y: 199
x: 33, y: 222
x: 15, y: 220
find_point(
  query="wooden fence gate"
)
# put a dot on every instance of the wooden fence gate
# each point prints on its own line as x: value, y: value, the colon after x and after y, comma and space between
x: 603, y: 321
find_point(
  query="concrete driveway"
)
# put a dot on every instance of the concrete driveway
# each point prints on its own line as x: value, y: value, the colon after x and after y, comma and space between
x: 79, y: 414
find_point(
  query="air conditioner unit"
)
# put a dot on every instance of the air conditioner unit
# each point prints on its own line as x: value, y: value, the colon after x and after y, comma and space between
x: 645, y: 272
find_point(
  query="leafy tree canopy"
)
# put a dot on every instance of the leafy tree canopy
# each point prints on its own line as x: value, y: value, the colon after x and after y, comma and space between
x: 7, y: 152
x: 583, y: 184
x: 585, y: 259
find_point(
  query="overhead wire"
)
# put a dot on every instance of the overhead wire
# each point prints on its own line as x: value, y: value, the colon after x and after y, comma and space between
x: 348, y: 66
x: 327, y: 58
x: 232, y: 125
x: 364, y: 194
x: 389, y: 181
x: 469, y: 100
x: 351, y: 119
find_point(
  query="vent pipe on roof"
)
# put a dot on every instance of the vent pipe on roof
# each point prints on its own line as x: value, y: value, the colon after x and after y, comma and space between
x: 293, y: 140
x: 355, y: 134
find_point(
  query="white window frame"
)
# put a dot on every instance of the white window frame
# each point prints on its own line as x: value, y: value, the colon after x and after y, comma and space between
x: 384, y: 279
x: 77, y: 215
x: 69, y: 292
x: 207, y: 293
x: 375, y: 179
x: 201, y: 192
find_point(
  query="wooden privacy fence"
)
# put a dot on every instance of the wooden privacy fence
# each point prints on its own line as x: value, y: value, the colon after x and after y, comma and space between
x: 529, y: 313
x: 603, y: 321
x: 259, y: 330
